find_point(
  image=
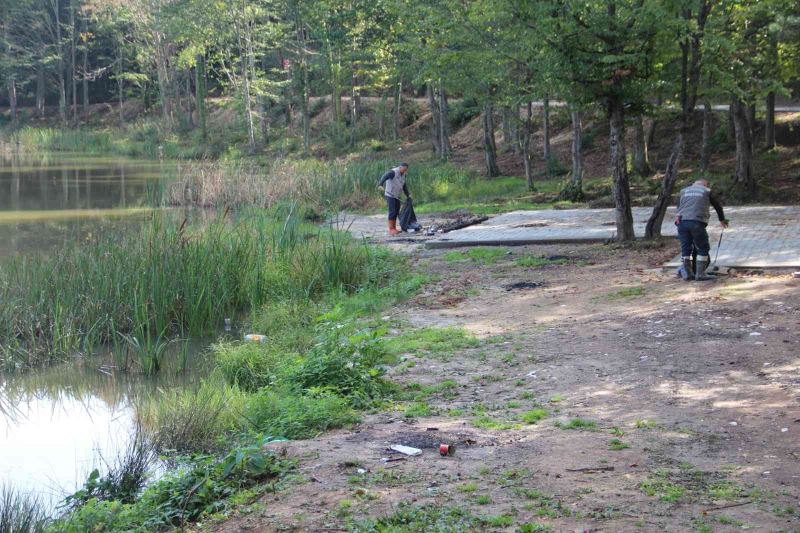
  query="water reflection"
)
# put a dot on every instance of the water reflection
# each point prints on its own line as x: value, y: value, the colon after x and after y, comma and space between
x: 63, y: 419
x: 48, y: 199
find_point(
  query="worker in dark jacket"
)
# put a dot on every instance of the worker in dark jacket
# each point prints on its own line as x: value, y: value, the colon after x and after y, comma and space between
x: 393, y: 183
x: 692, y: 219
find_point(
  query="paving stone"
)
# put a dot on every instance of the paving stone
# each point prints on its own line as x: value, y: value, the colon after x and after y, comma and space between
x: 759, y: 236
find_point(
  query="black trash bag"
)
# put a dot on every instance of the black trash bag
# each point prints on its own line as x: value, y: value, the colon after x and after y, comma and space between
x: 407, y: 218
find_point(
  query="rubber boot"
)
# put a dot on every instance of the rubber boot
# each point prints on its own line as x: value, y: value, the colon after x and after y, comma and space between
x: 393, y: 228
x: 702, y: 265
x: 688, y: 272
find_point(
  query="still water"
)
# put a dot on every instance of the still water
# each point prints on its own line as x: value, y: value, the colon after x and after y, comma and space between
x: 57, y: 424
x: 48, y: 199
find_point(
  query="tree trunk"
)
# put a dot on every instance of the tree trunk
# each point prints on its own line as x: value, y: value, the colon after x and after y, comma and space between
x: 435, y: 117
x: 705, y: 149
x: 650, y: 133
x: 641, y: 164
x: 506, y: 126
x: 743, y: 174
x: 525, y: 145
x: 619, y: 173
x: 769, y: 121
x: 162, y: 74
x: 444, y: 124
x: 355, y: 108
x: 40, y: 90
x: 398, y: 100
x: 62, y: 88
x: 489, y: 146
x: 245, y: 73
x: 73, y: 77
x: 265, y: 104
x: 731, y: 123
x: 546, y: 152
x: 85, y: 77
x: 200, y: 93
x: 751, y: 121
x: 120, y: 94
x: 574, y: 189
x: 12, y: 100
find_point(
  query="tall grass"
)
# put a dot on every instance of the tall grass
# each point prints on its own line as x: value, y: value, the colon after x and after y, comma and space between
x: 21, y: 513
x: 327, y: 186
x: 172, y: 279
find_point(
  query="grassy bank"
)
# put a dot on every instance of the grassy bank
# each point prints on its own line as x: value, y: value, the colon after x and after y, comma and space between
x: 322, y: 365
x: 174, y: 279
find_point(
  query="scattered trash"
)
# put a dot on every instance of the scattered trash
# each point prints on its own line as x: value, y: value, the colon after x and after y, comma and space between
x: 755, y: 334
x: 406, y: 450
x: 361, y: 471
x: 784, y: 430
x: 733, y: 423
x: 446, y: 449
x: 254, y: 337
x: 392, y: 459
x: 796, y: 274
x: 228, y: 325
x: 431, y: 429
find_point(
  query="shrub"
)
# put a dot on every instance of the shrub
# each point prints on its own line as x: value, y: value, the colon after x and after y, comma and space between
x: 21, y: 513
x: 283, y: 414
x: 194, y: 421
x: 251, y: 366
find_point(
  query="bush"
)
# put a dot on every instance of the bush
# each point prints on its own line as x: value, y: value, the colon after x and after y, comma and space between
x: 283, y: 414
x: 343, y: 365
x: 462, y: 111
x: 21, y: 513
x: 204, y: 486
x: 195, y: 421
x: 251, y: 366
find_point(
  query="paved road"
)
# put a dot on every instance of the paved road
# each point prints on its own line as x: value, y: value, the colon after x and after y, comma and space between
x: 759, y: 236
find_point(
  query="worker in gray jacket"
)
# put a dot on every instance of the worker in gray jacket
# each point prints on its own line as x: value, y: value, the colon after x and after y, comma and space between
x: 393, y: 183
x: 692, y: 219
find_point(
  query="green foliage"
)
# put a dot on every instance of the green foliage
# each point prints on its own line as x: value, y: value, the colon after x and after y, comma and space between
x: 438, y: 342
x: 534, y: 415
x: 420, y: 519
x: 531, y: 261
x: 629, y: 292
x: 202, y: 487
x: 577, y: 423
x: 616, y: 445
x: 21, y: 513
x: 485, y: 256
x: 109, y: 289
x: 282, y: 413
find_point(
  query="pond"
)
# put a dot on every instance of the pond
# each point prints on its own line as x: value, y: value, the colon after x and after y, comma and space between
x: 57, y: 424
x: 47, y: 199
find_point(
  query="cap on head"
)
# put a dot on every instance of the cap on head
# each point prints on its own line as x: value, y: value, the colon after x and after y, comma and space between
x: 403, y: 165
x: 703, y: 182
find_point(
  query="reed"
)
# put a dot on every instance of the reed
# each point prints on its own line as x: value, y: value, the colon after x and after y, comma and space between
x: 173, y: 279
x: 21, y: 513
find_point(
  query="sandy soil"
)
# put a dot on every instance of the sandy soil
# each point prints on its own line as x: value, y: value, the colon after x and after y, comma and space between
x: 700, y: 380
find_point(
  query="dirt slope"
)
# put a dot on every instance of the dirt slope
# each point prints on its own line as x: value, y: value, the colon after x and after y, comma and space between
x: 700, y: 381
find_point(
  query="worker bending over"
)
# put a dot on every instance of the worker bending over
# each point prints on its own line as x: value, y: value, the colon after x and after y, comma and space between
x: 692, y: 219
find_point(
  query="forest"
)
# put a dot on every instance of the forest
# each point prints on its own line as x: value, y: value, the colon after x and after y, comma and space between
x: 277, y: 62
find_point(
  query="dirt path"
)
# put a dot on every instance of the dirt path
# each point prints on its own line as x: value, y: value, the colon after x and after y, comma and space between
x: 699, y: 384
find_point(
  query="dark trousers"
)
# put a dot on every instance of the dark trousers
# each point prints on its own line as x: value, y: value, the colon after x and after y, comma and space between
x: 394, y: 207
x: 693, y: 233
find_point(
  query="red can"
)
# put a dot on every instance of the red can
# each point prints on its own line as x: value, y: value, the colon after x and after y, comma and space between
x: 446, y: 449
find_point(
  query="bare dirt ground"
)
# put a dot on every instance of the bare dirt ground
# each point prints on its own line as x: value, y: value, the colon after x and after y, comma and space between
x: 701, y: 382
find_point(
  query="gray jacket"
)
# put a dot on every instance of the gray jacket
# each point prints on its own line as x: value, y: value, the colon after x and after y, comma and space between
x: 694, y: 201
x: 394, y: 182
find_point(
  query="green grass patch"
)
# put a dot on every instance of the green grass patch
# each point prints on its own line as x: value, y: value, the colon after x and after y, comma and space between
x: 534, y: 415
x: 482, y: 255
x: 418, y: 410
x: 487, y: 422
x: 622, y: 294
x: 616, y: 445
x: 483, y: 499
x: 429, y: 518
x: 532, y: 261
x: 437, y: 342
x: 577, y: 424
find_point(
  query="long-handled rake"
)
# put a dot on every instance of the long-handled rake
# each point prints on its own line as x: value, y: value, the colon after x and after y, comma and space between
x: 715, y: 268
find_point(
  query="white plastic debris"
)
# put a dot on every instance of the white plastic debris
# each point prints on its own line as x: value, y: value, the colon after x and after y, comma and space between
x: 733, y: 423
x: 784, y: 430
x: 755, y: 334
x: 254, y: 337
x: 406, y: 450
